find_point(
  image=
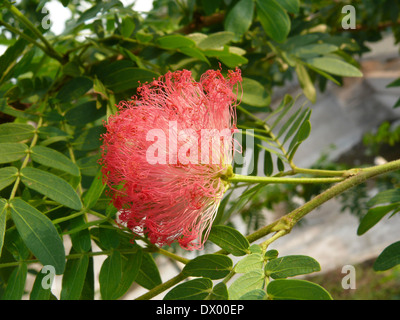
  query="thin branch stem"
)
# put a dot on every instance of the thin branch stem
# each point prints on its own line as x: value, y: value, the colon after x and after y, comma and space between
x: 23, y: 35
x: 162, y: 287
x: 19, y: 15
x: 267, y: 242
x: 284, y: 225
x: 319, y: 172
x: 355, y: 177
x: 255, y: 179
x: 172, y: 255
x: 26, y: 160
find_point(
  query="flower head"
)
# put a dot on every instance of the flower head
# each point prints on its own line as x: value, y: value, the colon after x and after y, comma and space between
x: 165, y: 153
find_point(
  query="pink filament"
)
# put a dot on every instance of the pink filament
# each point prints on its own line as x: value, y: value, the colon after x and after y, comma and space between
x: 172, y: 201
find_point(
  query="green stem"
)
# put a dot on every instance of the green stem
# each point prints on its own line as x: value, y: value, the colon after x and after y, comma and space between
x: 355, y: 177
x: 26, y: 160
x: 69, y: 217
x: 162, y: 287
x: 172, y: 255
x: 255, y: 179
x: 277, y: 235
x: 19, y: 15
x: 318, y: 172
x: 229, y: 276
x: 23, y: 35
x: 284, y: 225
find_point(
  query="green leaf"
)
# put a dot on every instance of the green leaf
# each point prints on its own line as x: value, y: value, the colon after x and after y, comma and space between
x: 249, y: 263
x: 306, y: 83
x: 38, y: 291
x: 216, y: 40
x: 373, y: 216
x: 210, y: 6
x: 89, y: 166
x: 108, y: 238
x: 11, y: 111
x: 219, y: 292
x: 128, y: 78
x: 7, y: 176
x: 94, y: 192
x: 291, y: 6
x: 196, y: 289
x: 256, y: 294
x: 395, y: 83
x: 15, y: 245
x: 232, y: 60
x: 284, y: 107
x: 313, y: 50
x: 130, y: 270
x: 213, y: 266
x: 295, y: 123
x: 290, y: 266
x: 397, y: 104
x: 54, y: 159
x: 127, y: 27
x: 72, y: 69
x: 143, y: 37
x: 12, y: 151
x: 175, y: 41
x: 81, y: 241
x: 240, y: 17
x: 335, y: 66
x: 3, y: 214
x: 271, y: 254
x: 268, y: 163
x: 89, y: 139
x: 255, y: 248
x: 74, y: 278
x: 88, y: 286
x: 16, y: 283
x: 300, y: 136
x: 195, y: 53
x: 15, y: 132
x: 389, y: 258
x: 84, y: 113
x: 90, y: 13
x: 148, y: 276
x: 274, y: 19
x: 230, y: 240
x: 74, y: 89
x: 245, y: 283
x: 254, y: 93
x: 386, y: 196
x: 38, y: 234
x: 293, y: 289
x: 110, y: 275
x: 11, y: 55
x: 51, y: 186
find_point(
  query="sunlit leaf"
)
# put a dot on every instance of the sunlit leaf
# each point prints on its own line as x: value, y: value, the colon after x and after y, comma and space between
x: 51, y: 186
x: 293, y: 289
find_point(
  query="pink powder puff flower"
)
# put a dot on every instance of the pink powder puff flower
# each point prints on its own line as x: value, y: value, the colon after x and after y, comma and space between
x: 165, y: 175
